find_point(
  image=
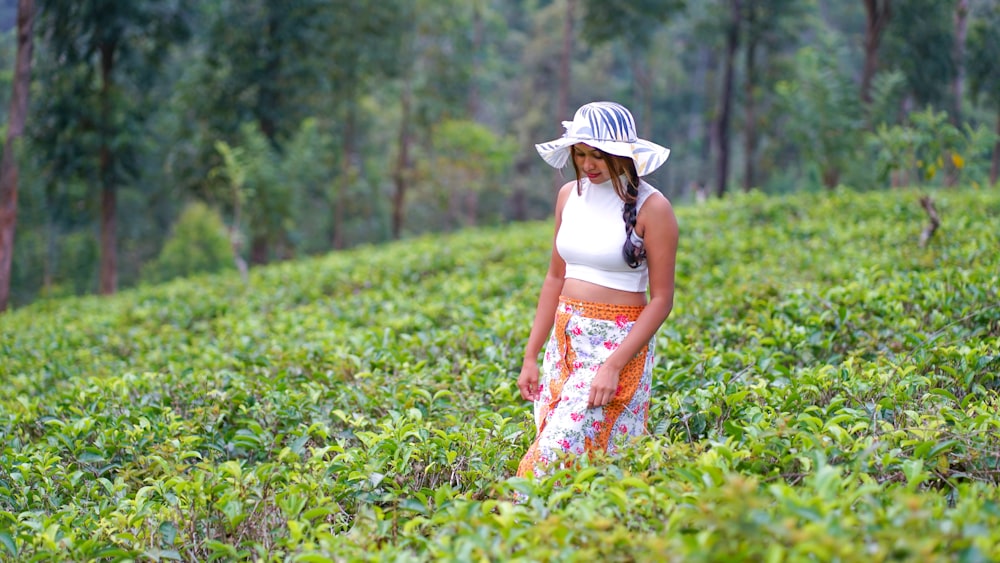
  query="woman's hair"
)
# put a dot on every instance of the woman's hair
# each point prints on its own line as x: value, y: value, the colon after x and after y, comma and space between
x: 618, y: 166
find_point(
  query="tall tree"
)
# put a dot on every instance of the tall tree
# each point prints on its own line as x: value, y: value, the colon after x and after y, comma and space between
x: 279, y: 62
x: 958, y: 56
x: 720, y: 132
x: 566, y: 60
x: 111, y: 39
x: 263, y: 65
x: 527, y: 94
x: 919, y: 42
x: 984, y: 73
x: 769, y: 27
x: 631, y: 23
x: 565, y: 82
x: 437, y: 77
x: 822, y: 118
x: 402, y: 171
x: 468, y: 159
x: 877, y: 16
x: 364, y: 40
x: 754, y: 19
x: 266, y: 75
x: 9, y: 169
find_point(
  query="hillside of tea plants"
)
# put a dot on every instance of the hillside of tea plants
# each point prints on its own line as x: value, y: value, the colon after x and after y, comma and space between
x: 826, y: 389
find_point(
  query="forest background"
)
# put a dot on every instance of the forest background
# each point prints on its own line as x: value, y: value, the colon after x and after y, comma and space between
x: 161, y: 138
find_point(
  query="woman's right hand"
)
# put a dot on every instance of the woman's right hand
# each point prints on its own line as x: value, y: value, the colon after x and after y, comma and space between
x: 527, y: 382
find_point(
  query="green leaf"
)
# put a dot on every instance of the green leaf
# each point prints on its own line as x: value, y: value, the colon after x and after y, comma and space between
x: 913, y: 470
x: 158, y: 554
x: 941, y: 448
x: 168, y: 533
x: 8, y: 542
x: 312, y: 558
x: 318, y: 512
x: 943, y: 393
x: 585, y: 474
x: 413, y: 505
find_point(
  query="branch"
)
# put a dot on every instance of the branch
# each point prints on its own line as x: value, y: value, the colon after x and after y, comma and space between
x: 928, y: 205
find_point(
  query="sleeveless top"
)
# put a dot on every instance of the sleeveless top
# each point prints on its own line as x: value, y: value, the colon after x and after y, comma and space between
x: 592, y: 234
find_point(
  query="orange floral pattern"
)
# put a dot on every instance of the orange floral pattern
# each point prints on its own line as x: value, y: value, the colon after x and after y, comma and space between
x: 585, y: 334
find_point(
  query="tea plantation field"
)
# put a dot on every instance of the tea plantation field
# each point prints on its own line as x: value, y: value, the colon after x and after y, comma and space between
x: 826, y: 390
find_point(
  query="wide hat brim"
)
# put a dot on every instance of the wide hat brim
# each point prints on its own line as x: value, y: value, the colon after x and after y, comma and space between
x: 647, y: 155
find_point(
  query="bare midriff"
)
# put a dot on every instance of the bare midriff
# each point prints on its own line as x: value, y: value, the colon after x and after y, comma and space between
x: 586, y: 291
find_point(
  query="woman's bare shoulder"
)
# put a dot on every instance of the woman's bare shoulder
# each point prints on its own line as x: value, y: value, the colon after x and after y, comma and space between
x: 657, y: 204
x: 564, y: 193
x: 567, y: 188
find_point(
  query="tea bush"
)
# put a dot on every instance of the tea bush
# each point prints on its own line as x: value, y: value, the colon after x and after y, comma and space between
x: 825, y: 389
x: 199, y: 242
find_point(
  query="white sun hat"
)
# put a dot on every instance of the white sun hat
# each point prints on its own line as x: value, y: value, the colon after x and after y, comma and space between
x: 608, y: 127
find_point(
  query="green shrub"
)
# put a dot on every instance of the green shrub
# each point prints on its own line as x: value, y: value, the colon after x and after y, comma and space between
x: 198, y: 244
x: 927, y: 148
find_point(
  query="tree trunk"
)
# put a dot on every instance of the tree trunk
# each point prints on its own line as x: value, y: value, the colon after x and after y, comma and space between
x: 749, y: 85
x: 696, y: 111
x: 471, y: 208
x: 259, y: 249
x: 401, y: 174
x: 565, y: 75
x: 519, y: 199
x: 958, y: 56
x: 701, y: 132
x: 995, y: 168
x: 454, y: 210
x: 269, y: 95
x: 50, y: 264
x: 347, y: 177
x: 831, y: 177
x: 565, y: 62
x: 109, y: 194
x: 9, y: 169
x: 473, y: 101
x: 236, y: 232
x: 877, y: 14
x: 267, y: 99
x: 642, y: 86
x: 726, y: 99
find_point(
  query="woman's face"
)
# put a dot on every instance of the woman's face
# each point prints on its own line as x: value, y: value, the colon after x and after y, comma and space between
x: 591, y: 163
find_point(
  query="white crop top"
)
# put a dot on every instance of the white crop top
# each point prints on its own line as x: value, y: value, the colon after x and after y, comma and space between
x: 592, y: 234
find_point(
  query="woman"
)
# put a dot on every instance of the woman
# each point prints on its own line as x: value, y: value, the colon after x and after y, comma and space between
x: 615, y: 237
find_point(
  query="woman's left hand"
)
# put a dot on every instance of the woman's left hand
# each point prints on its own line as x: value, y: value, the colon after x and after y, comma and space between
x: 604, y: 387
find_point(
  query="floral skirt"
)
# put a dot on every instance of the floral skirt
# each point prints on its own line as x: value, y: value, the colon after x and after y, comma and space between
x: 583, y: 337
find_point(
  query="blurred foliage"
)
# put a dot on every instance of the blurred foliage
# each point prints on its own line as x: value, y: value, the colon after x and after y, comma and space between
x: 630, y: 21
x: 984, y: 51
x: 198, y: 244
x: 919, y: 43
x: 338, y: 90
x: 258, y: 191
x: 825, y: 389
x: 466, y: 161
x: 825, y: 118
x: 928, y: 148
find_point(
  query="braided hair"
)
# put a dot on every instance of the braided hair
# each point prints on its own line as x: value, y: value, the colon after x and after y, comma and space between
x: 633, y: 251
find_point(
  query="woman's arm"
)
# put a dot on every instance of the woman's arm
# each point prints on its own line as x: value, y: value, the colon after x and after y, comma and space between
x: 657, y: 225
x: 545, y: 312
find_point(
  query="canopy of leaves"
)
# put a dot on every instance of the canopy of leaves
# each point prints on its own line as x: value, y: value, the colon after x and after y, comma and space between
x: 919, y: 42
x: 630, y: 21
x: 984, y: 52
x: 824, y: 114
x: 349, y: 96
